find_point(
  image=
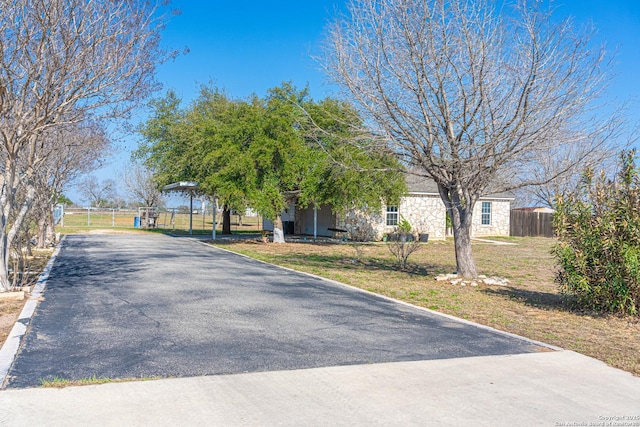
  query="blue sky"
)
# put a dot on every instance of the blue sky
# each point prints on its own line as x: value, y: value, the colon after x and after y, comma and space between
x: 250, y: 46
x: 246, y: 46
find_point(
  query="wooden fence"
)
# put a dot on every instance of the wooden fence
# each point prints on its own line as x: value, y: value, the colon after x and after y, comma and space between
x: 531, y: 224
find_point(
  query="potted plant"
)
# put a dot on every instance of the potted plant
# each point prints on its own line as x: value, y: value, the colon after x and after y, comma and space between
x: 403, y: 231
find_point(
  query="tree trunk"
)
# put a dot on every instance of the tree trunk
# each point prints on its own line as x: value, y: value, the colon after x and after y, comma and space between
x: 6, y: 205
x: 460, y: 209
x: 27, y: 244
x: 278, y: 233
x: 8, y: 231
x: 51, y: 231
x: 226, y: 220
x: 42, y: 233
x: 462, y: 242
x: 5, y: 284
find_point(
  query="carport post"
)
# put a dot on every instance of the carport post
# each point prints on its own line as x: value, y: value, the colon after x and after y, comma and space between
x: 315, y: 222
x: 213, y: 231
x: 190, y: 212
x: 184, y: 186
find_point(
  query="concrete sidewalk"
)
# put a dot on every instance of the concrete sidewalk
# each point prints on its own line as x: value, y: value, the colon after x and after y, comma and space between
x: 552, y: 389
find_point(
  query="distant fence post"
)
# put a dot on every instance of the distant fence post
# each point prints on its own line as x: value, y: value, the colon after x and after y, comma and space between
x: 58, y: 215
x: 531, y: 224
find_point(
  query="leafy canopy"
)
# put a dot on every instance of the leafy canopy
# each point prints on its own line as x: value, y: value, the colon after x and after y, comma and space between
x: 264, y: 152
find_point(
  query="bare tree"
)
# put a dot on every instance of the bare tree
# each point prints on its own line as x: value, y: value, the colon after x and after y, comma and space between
x: 140, y: 184
x: 468, y: 92
x: 72, y: 150
x: 98, y: 194
x: 61, y: 62
x: 567, y: 164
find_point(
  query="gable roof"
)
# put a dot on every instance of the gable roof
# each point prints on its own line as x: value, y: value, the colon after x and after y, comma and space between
x: 422, y: 185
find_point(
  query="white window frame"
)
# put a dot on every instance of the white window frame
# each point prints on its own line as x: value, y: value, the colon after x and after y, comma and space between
x: 485, y: 215
x: 392, y: 212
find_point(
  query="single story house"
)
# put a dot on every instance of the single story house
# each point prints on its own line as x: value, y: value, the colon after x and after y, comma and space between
x: 422, y: 207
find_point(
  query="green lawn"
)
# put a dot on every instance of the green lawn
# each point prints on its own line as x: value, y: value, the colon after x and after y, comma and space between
x: 80, y: 221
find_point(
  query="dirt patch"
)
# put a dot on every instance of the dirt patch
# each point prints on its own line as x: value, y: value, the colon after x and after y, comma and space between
x: 9, y: 313
x: 10, y: 309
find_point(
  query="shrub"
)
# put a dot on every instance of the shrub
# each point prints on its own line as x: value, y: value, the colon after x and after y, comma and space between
x: 403, y: 225
x: 598, y: 251
x: 403, y: 243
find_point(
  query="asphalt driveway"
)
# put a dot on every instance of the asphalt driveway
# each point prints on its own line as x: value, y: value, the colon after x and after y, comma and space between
x: 145, y: 305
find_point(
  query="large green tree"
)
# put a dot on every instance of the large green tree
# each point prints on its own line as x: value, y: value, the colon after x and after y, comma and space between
x: 165, y: 147
x: 221, y: 130
x: 267, y: 152
x: 207, y: 142
x: 316, y: 153
x: 280, y: 156
x: 351, y: 169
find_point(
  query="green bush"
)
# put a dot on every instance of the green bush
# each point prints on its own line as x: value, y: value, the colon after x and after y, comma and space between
x: 599, y: 241
x: 403, y: 225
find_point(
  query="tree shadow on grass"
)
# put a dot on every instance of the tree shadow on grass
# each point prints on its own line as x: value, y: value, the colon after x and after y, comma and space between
x: 543, y: 300
x: 411, y: 269
x: 346, y: 262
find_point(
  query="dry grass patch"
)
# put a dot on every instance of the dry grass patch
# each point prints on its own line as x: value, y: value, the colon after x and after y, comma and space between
x: 9, y: 312
x: 60, y: 382
x: 530, y: 306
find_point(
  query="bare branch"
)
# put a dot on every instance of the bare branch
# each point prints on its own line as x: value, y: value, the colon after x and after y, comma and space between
x: 467, y: 93
x: 63, y: 62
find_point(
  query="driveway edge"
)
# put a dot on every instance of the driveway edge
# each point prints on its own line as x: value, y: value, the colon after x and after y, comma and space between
x: 436, y: 313
x: 12, y: 343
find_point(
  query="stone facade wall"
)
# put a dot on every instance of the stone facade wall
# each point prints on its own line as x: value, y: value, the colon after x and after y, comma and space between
x: 360, y: 225
x: 425, y: 213
x: 500, y: 217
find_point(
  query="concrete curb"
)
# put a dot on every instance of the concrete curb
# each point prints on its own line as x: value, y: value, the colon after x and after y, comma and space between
x: 12, y: 344
x: 436, y: 313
